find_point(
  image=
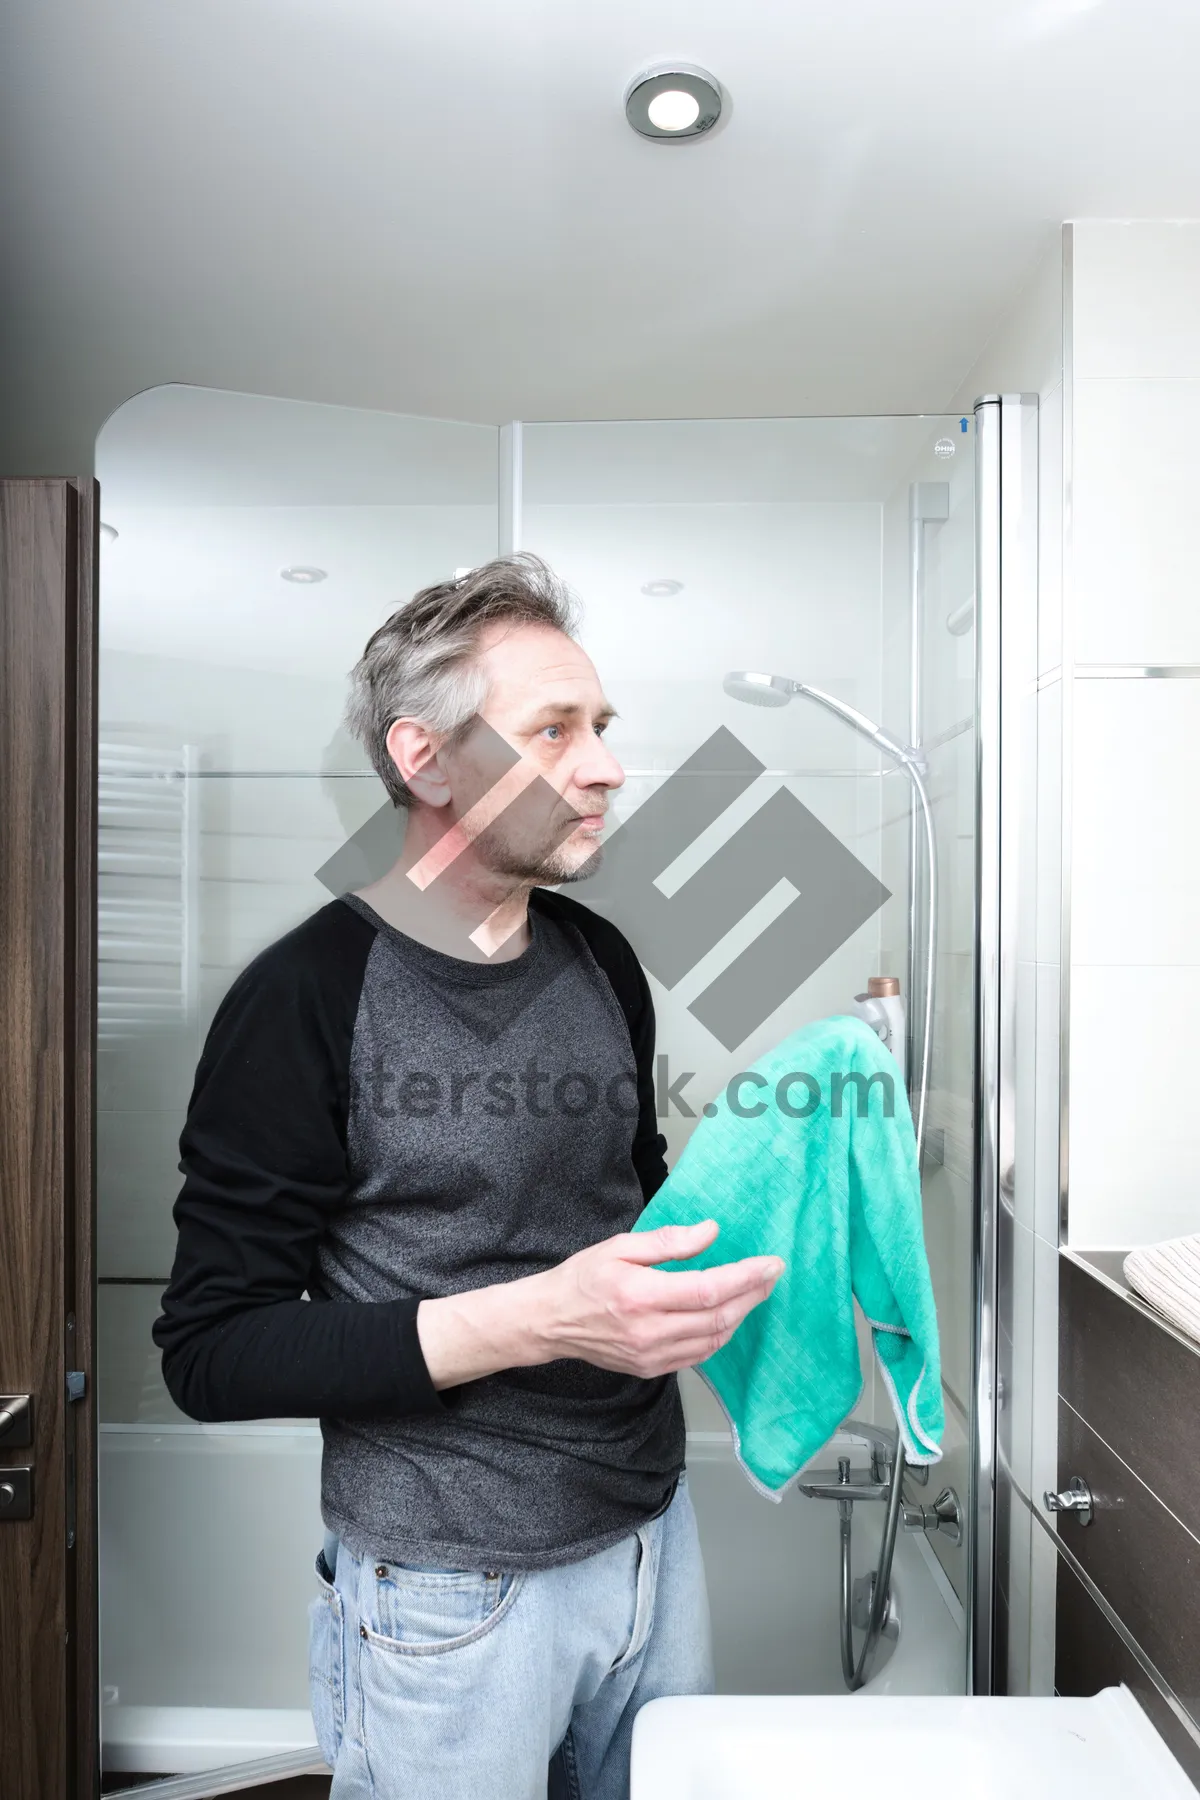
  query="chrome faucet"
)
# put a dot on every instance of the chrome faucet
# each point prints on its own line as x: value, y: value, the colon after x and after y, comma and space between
x: 832, y: 1484
x: 846, y: 1485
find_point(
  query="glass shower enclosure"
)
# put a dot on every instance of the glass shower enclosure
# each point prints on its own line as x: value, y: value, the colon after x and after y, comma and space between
x: 254, y: 545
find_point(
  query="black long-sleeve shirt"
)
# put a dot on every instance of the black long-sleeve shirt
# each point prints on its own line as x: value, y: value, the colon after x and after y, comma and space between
x: 374, y: 1123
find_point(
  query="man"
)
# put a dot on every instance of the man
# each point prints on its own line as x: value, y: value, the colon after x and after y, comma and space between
x: 430, y: 1108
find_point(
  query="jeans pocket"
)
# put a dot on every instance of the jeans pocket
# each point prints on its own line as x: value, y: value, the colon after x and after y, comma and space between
x: 419, y: 1610
x: 649, y: 1542
x: 326, y: 1665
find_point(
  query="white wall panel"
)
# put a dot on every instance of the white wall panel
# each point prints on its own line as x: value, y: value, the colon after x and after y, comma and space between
x: 1136, y: 520
x: 1135, y: 1150
x: 1136, y: 308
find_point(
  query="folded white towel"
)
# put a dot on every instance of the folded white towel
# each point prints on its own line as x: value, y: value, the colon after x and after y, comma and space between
x: 1168, y: 1276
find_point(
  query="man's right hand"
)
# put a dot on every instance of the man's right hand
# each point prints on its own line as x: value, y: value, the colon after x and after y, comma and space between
x: 606, y: 1305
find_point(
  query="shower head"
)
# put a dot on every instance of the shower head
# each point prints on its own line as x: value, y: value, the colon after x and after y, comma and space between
x: 758, y: 690
x: 776, y: 690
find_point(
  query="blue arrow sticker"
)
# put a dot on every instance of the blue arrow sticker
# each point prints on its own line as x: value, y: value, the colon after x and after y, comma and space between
x: 962, y: 424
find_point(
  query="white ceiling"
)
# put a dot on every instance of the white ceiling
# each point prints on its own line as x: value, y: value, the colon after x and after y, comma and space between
x: 436, y: 206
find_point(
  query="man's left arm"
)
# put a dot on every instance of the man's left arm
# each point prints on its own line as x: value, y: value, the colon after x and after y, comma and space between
x: 649, y: 1144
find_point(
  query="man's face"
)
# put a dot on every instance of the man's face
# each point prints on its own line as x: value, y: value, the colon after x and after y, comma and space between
x: 544, y: 701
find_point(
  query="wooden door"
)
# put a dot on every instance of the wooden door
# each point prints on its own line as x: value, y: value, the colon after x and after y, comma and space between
x: 48, y: 560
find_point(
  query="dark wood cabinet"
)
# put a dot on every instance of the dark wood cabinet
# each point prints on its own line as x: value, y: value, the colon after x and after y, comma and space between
x: 48, y: 1623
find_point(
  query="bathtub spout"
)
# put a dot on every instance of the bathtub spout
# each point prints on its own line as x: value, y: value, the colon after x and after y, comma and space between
x: 826, y: 1484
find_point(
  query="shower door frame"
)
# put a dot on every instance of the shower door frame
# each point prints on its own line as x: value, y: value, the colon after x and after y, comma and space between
x: 1006, y: 530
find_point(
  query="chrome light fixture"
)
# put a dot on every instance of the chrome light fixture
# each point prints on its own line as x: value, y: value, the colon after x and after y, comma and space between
x: 304, y: 574
x: 673, y: 100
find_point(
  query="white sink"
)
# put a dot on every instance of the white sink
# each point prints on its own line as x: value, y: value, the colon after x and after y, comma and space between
x: 776, y: 1747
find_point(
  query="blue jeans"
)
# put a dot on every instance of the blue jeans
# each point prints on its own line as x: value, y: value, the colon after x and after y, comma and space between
x: 443, y: 1684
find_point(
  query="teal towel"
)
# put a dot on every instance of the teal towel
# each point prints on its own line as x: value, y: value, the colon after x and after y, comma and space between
x: 836, y: 1194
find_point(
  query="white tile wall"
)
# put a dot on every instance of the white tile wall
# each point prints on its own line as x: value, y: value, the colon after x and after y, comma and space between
x: 1134, y: 1150
x: 1135, y: 523
x: 1134, y: 1143
x: 1135, y: 852
x: 1136, y: 302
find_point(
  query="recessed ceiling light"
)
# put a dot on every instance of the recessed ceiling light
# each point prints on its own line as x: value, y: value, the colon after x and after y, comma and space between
x: 673, y: 110
x: 662, y: 590
x: 108, y: 532
x: 673, y: 100
x: 304, y: 573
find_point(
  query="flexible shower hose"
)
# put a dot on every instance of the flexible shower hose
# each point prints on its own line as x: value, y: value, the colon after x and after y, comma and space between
x: 855, y: 1673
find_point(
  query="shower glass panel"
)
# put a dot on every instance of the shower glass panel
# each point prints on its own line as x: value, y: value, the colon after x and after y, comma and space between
x: 840, y: 553
x: 258, y: 543
x: 228, y: 793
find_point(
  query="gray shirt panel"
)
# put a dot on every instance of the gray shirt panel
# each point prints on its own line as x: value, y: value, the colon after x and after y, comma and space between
x: 492, y: 1115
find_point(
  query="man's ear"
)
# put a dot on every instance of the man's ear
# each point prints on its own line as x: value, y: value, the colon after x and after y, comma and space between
x: 415, y: 755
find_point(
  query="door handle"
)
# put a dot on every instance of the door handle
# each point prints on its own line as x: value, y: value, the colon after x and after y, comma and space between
x: 16, y: 1421
x: 16, y: 1494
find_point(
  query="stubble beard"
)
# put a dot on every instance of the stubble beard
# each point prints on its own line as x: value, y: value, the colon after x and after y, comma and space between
x: 542, y: 868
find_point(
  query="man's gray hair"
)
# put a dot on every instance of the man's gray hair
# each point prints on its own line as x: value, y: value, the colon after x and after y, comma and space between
x: 423, y: 662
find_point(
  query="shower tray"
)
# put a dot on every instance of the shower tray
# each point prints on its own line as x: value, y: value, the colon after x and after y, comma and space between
x: 746, y: 1747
